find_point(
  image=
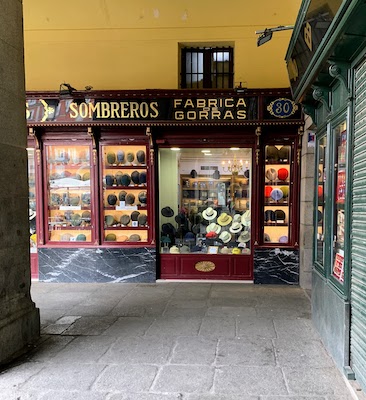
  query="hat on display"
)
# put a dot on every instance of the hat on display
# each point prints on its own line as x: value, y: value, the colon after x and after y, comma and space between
x: 86, y: 216
x: 74, y: 201
x: 235, y: 227
x: 267, y: 238
x: 142, y: 196
x: 180, y: 218
x: 134, y: 238
x: 269, y: 215
x: 130, y: 157
x: 85, y: 198
x: 76, y: 220
x: 244, y: 237
x: 236, y: 250
x: 196, y: 218
x: 284, y: 191
x: 237, y: 218
x: 196, y: 228
x: 109, y: 220
x: 247, y: 173
x: 86, y: 176
x: 225, y: 250
x: 284, y: 153
x: 193, y: 173
x: 167, y: 212
x: 320, y: 191
x: 111, y: 158
x: 320, y: 216
x: 112, y: 199
x: 280, y: 215
x: 213, y: 228
x: 125, y: 219
x: 142, y: 178
x: 81, y: 237
x: 282, y: 174
x: 184, y: 249
x: 283, y: 239
x: 122, y: 195
x: 268, y: 191
x: 225, y: 236
x: 216, y: 174
x: 125, y: 180
x: 168, y: 229
x: 246, y: 218
x: 165, y: 239
x: 119, y: 175
x: 209, y: 214
x: 272, y: 153
x: 277, y: 194
x: 111, y: 237
x: 66, y: 237
x: 142, y: 219
x: 130, y: 198
x: 211, y: 235
x: 224, y: 219
x: 120, y: 156
x: 141, y: 158
x: 77, y: 176
x: 174, y: 250
x: 135, y: 177
x: 109, y: 180
x: 122, y: 238
x: 271, y: 174
x: 32, y: 214
x: 135, y: 215
x: 189, y: 236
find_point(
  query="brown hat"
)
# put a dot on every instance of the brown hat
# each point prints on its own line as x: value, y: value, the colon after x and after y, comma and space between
x: 134, y: 238
x: 125, y: 219
x: 130, y: 198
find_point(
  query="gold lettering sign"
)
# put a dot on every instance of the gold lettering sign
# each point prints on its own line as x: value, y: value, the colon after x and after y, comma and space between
x: 307, y: 36
x: 205, y: 266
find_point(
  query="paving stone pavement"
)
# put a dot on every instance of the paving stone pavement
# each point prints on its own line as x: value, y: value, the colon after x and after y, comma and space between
x: 172, y: 340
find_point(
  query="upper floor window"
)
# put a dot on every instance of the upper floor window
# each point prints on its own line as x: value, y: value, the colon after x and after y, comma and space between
x: 208, y: 67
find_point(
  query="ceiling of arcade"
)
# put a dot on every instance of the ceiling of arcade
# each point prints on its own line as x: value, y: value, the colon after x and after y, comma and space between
x: 114, y: 44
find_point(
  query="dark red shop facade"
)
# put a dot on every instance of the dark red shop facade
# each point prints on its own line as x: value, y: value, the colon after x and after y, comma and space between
x: 135, y: 186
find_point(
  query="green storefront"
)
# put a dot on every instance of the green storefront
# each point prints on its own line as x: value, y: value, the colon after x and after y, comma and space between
x: 326, y: 63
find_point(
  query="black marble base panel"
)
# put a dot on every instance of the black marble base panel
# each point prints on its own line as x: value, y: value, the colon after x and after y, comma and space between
x: 276, y: 266
x: 97, y: 265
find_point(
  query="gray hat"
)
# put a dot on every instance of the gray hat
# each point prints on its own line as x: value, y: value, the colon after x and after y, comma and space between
x: 141, y: 158
x: 120, y: 156
x: 109, y: 220
x: 65, y: 237
x: 134, y: 238
x: 75, y: 219
x: 81, y: 237
x: 125, y: 219
x: 122, y: 195
x: 119, y: 175
x: 142, y: 197
x: 74, y: 201
x: 130, y: 157
x: 85, y: 198
x: 86, y: 216
x: 130, y: 198
x: 142, y: 219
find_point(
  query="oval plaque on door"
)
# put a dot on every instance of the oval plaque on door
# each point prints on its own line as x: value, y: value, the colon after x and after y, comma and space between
x: 205, y: 266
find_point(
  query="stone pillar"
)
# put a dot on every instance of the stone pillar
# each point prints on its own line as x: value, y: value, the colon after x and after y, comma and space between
x: 306, y: 209
x: 19, y: 318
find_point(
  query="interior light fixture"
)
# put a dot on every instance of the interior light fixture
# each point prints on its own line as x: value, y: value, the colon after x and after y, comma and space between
x: 266, y: 34
x: 175, y: 148
x: 205, y: 151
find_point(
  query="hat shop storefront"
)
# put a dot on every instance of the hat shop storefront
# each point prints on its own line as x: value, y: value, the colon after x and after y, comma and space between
x: 144, y: 185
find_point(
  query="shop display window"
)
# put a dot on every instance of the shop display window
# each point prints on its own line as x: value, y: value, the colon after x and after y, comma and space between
x: 340, y: 198
x: 321, y: 179
x: 124, y: 194
x: 69, y: 195
x: 205, y: 200
x: 32, y: 198
x: 277, y: 194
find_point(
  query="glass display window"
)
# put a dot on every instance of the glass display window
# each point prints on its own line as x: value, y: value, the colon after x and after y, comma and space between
x: 277, y: 194
x: 69, y: 193
x: 205, y: 200
x: 340, y: 155
x: 32, y: 197
x: 320, y: 205
x: 125, y: 194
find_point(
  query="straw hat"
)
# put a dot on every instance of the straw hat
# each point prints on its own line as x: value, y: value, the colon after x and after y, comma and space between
x: 209, y: 214
x: 246, y: 218
x: 235, y: 227
x: 225, y: 237
x: 213, y: 228
x: 244, y: 237
x: 224, y: 219
x: 174, y: 250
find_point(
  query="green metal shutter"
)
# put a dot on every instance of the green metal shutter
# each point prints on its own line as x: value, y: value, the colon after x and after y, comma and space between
x: 358, y: 241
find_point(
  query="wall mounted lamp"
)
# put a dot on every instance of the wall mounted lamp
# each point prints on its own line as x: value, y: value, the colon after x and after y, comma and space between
x: 266, y: 34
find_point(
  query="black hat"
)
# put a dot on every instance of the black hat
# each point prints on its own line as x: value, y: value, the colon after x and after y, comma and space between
x: 142, y: 178
x: 167, y: 212
x: 112, y: 199
x: 269, y: 215
x: 272, y: 154
x: 193, y: 173
x: 216, y: 174
x: 141, y: 158
x: 135, y: 177
x: 122, y: 195
x: 125, y: 180
x: 111, y: 158
x: 168, y: 229
x: 284, y: 153
x: 280, y: 215
x: 134, y: 215
x: 109, y: 180
x: 119, y: 175
x: 247, y: 173
x: 120, y: 156
x: 320, y: 216
x: 180, y: 218
x: 142, y: 197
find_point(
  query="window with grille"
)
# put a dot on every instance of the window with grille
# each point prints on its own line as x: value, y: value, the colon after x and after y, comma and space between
x: 207, y: 68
